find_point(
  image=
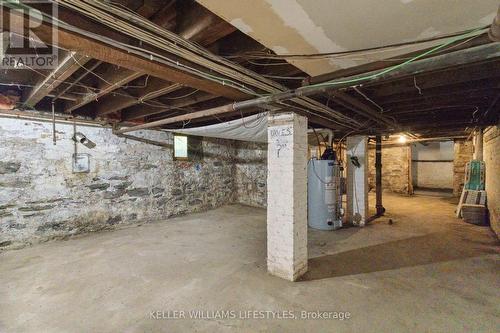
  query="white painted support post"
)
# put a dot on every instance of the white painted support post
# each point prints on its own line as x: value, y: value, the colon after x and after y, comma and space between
x: 478, y: 145
x: 287, y: 196
x: 357, y: 180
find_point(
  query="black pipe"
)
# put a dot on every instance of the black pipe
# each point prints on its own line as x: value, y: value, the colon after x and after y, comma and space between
x: 378, y: 175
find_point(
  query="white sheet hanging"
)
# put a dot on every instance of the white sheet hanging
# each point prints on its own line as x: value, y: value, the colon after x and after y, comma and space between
x: 251, y: 128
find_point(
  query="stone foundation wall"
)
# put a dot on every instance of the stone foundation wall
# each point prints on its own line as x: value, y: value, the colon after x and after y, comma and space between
x: 491, y: 155
x: 129, y: 181
x: 463, y: 151
x: 251, y: 168
x: 395, y: 169
x: 251, y: 173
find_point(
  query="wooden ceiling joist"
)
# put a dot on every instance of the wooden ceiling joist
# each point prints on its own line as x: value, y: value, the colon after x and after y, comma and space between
x: 105, y: 52
x: 438, y: 79
x: 122, y: 100
x: 166, y: 16
x: 150, y: 7
x: 202, y: 26
x: 141, y: 111
x: 194, y: 26
x: 67, y: 66
x: 442, y: 93
x: 449, y: 91
x: 116, y: 80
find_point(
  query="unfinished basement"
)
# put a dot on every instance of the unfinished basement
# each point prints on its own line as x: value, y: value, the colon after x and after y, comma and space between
x: 249, y: 166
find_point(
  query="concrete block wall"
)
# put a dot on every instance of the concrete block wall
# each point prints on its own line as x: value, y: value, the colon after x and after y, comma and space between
x: 41, y: 198
x: 491, y: 156
x: 463, y: 151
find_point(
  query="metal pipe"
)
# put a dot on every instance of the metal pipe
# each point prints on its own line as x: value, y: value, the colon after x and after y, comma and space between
x: 75, y: 145
x: 478, y: 144
x: 456, y: 58
x: 44, y: 117
x: 144, y: 140
x: 494, y: 32
x: 378, y: 176
x: 54, y: 139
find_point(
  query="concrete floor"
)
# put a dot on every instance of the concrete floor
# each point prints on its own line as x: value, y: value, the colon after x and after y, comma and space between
x: 425, y: 272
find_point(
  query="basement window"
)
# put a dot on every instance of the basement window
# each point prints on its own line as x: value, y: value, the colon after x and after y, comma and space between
x: 187, y: 148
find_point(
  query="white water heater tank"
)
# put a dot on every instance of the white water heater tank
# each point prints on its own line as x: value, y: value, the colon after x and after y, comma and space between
x: 323, y: 195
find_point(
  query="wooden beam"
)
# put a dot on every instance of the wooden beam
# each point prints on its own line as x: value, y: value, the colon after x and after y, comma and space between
x: 141, y: 111
x: 377, y: 65
x: 149, y: 8
x: 449, y: 91
x: 63, y: 91
x: 194, y: 115
x: 362, y: 109
x: 438, y: 126
x: 113, y: 82
x: 224, y: 109
x: 166, y: 16
x: 419, y: 112
x: 492, y: 113
x: 67, y: 66
x: 437, y: 79
x: 105, y: 52
x: 199, y: 25
x: 489, y: 52
x: 210, y: 120
x: 438, y: 100
x: 122, y: 100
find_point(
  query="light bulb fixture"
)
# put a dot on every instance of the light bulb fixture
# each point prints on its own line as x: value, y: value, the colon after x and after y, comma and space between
x: 402, y: 139
x: 81, y: 138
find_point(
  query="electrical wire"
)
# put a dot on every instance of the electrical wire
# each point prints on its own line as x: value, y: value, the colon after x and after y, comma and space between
x: 369, y: 99
x: 97, y: 91
x: 157, y: 38
x: 97, y: 10
x: 288, y: 105
x: 93, y: 91
x: 262, y: 64
x: 392, y: 68
x: 365, y: 57
x: 172, y: 46
x: 300, y: 78
x: 314, y: 170
x: 416, y: 86
x: 183, y: 96
x: 251, y: 78
x: 376, y: 48
x: 89, y: 71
